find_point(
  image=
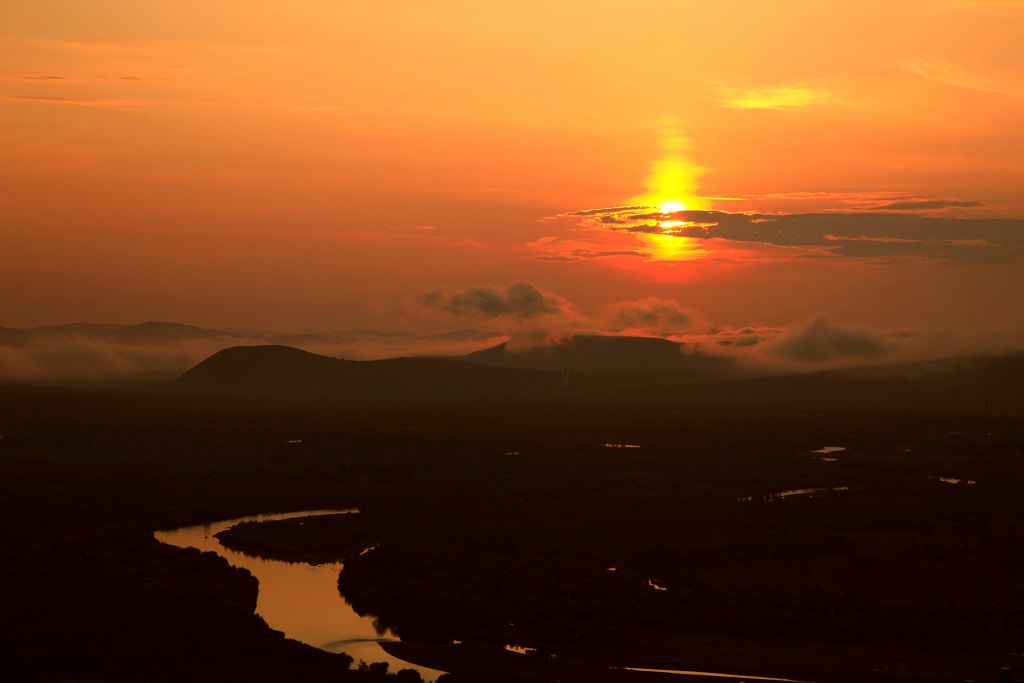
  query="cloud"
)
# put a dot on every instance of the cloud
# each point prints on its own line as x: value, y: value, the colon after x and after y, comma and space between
x: 78, y: 79
x: 786, y: 97
x: 519, y: 300
x: 78, y: 101
x: 530, y: 315
x: 416, y: 234
x: 652, y: 316
x: 373, y: 344
x: 583, y: 248
x: 868, y: 235
x: 93, y: 48
x: 527, y: 314
x: 571, y: 255
x: 85, y: 359
x: 822, y: 341
x: 163, y: 351
x: 956, y: 75
x: 925, y: 205
x: 896, y: 229
x: 974, y: 5
x: 609, y: 210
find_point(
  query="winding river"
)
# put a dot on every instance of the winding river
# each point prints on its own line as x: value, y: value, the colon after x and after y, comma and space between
x: 300, y: 599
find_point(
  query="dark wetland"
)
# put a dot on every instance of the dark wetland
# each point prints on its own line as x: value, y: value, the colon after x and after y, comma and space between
x: 516, y: 538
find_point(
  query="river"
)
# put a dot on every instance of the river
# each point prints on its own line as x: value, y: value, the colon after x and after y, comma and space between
x: 300, y: 599
x: 303, y: 601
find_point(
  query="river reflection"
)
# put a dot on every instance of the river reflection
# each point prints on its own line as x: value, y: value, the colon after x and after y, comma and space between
x: 300, y: 599
x: 303, y: 601
x: 709, y: 674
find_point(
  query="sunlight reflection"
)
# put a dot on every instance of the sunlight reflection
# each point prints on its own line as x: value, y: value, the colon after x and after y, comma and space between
x: 670, y: 247
x: 672, y: 183
x: 658, y: 219
x: 672, y: 188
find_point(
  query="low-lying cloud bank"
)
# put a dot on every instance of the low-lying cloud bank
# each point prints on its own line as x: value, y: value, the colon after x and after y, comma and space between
x: 163, y: 351
x: 520, y: 313
x: 652, y: 317
x: 821, y: 341
x: 529, y: 315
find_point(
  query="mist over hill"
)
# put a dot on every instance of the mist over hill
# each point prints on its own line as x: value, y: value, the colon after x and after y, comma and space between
x: 591, y: 352
x: 975, y: 385
x: 143, y: 333
x: 161, y: 351
x: 358, y: 364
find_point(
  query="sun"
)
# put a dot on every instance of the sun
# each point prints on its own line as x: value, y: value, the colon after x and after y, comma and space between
x: 667, y: 208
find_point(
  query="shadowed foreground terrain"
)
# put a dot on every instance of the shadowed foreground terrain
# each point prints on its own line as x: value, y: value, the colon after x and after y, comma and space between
x: 630, y: 555
x: 499, y: 522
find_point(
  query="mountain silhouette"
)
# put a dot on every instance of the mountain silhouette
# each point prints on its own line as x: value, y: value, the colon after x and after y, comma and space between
x: 974, y: 384
x: 286, y: 372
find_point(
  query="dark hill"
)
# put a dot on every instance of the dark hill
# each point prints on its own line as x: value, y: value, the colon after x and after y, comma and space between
x: 979, y: 384
x: 285, y: 372
x: 264, y: 370
x: 588, y: 352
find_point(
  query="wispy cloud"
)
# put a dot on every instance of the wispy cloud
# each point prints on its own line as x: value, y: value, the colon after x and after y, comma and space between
x: 78, y: 101
x: 926, y: 205
x: 979, y: 5
x: 61, y: 79
x: 960, y: 76
x: 99, y: 352
x: 904, y: 228
x: 97, y: 48
x: 868, y: 235
x: 417, y: 234
x: 784, y: 97
x: 583, y: 247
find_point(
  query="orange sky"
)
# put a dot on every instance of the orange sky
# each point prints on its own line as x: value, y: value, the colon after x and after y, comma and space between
x: 320, y: 164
